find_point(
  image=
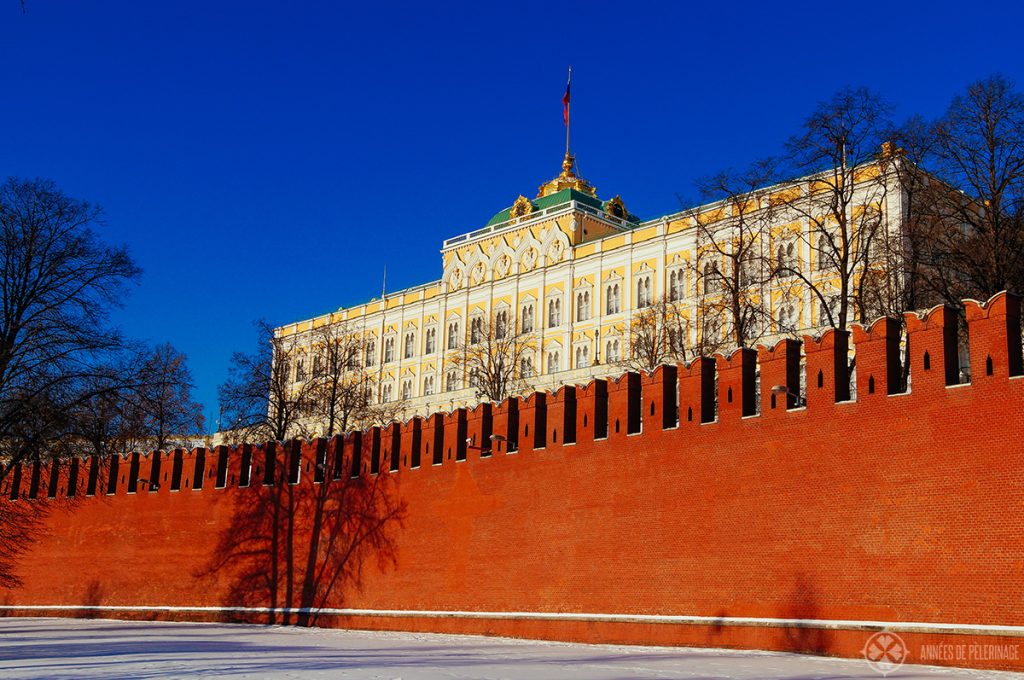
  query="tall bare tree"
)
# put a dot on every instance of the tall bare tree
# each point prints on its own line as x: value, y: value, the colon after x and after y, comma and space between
x: 843, y: 205
x: 260, y: 401
x: 162, y: 397
x: 660, y: 334
x: 59, y: 282
x: 496, y: 357
x: 343, y: 388
x: 976, y: 240
x: 732, y: 267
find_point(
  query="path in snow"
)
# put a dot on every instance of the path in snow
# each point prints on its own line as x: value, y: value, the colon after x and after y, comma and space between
x: 76, y: 648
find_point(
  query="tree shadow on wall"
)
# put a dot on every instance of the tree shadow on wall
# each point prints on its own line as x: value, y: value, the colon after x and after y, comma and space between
x: 25, y: 505
x: 803, y: 604
x: 302, y: 545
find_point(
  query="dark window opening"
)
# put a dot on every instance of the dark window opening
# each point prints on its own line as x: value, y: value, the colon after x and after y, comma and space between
x: 356, y: 468
x: 635, y: 408
x: 222, y: 467
x: 320, y: 472
x: 133, y: 474
x: 245, y: 471
x: 584, y: 420
x: 294, y: 463
x: 33, y: 484
x: 73, y: 478
x: 821, y: 379
x: 199, y: 471
x: 461, y: 432
x: 375, y: 451
x: 176, y: 467
x: 486, y: 429
x: 988, y: 365
x: 154, y: 472
x: 569, y: 417
x: 438, y: 440
x: 600, y: 409
x: 396, y: 447
x: 729, y: 396
x: 554, y: 436
x: 689, y: 414
x: 269, y: 462
x: 540, y: 424
x: 512, y: 425
x: 94, y: 475
x: 927, y: 361
x: 652, y: 408
x: 773, y: 399
x: 871, y: 384
x: 417, y: 443
x: 51, y: 490
x: 616, y: 426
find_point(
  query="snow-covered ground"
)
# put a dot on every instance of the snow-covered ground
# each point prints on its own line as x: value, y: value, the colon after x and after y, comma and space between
x: 76, y: 648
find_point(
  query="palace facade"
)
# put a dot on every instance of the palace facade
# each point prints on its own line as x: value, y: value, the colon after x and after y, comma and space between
x: 572, y: 272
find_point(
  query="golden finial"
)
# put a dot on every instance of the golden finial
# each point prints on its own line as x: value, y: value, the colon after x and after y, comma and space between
x: 567, y: 180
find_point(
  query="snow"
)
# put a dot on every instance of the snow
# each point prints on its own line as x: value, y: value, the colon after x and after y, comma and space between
x: 79, y: 648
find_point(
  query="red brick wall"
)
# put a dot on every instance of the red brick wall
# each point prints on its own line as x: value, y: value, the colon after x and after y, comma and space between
x: 899, y: 508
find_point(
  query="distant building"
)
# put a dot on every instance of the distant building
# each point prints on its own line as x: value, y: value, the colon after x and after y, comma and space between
x: 572, y: 272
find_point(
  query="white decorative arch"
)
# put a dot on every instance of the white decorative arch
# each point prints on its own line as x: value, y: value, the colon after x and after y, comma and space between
x: 555, y: 246
x: 527, y: 253
x: 501, y: 262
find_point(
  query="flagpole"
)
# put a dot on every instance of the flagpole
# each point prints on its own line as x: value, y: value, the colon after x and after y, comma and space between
x: 568, y: 111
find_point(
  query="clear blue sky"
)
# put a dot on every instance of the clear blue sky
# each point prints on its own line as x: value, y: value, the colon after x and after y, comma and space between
x: 269, y: 158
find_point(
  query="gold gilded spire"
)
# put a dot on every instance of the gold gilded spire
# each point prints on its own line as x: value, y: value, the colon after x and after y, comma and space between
x: 567, y: 180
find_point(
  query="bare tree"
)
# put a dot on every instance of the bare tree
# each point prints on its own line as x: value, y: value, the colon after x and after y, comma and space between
x: 731, y: 267
x: 659, y: 334
x: 843, y: 205
x: 976, y: 235
x: 59, y: 283
x: 162, y: 398
x: 497, y: 358
x: 343, y: 388
x: 260, y: 401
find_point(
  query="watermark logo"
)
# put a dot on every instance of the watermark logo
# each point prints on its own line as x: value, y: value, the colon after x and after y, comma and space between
x: 885, y: 652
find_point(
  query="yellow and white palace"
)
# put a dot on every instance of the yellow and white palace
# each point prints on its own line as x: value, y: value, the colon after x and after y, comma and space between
x: 570, y: 269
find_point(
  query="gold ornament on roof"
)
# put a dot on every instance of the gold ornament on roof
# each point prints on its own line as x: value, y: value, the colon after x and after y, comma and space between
x: 567, y: 180
x: 521, y: 207
x: 616, y: 208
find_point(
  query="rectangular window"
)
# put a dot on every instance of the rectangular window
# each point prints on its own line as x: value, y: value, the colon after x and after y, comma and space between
x: 245, y: 471
x: 199, y: 472
x: 94, y: 475
x: 133, y: 474
x: 178, y: 462
x: 51, y: 491
x: 222, y: 467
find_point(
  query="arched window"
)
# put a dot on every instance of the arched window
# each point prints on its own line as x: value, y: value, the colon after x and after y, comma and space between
x: 428, y: 385
x: 451, y: 381
x: 526, y: 324
x: 821, y: 257
x: 410, y: 345
x: 711, y: 276
x: 407, y: 390
x: 501, y: 324
x: 431, y: 341
x: 553, y: 363
x: 614, y: 300
x: 389, y: 350
x: 387, y: 394
x: 476, y: 330
x: 300, y: 369
x: 453, y: 335
x: 371, y: 353
x: 526, y: 367
x: 318, y: 365
x: 583, y: 306
x: 675, y: 285
x: 554, y: 312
